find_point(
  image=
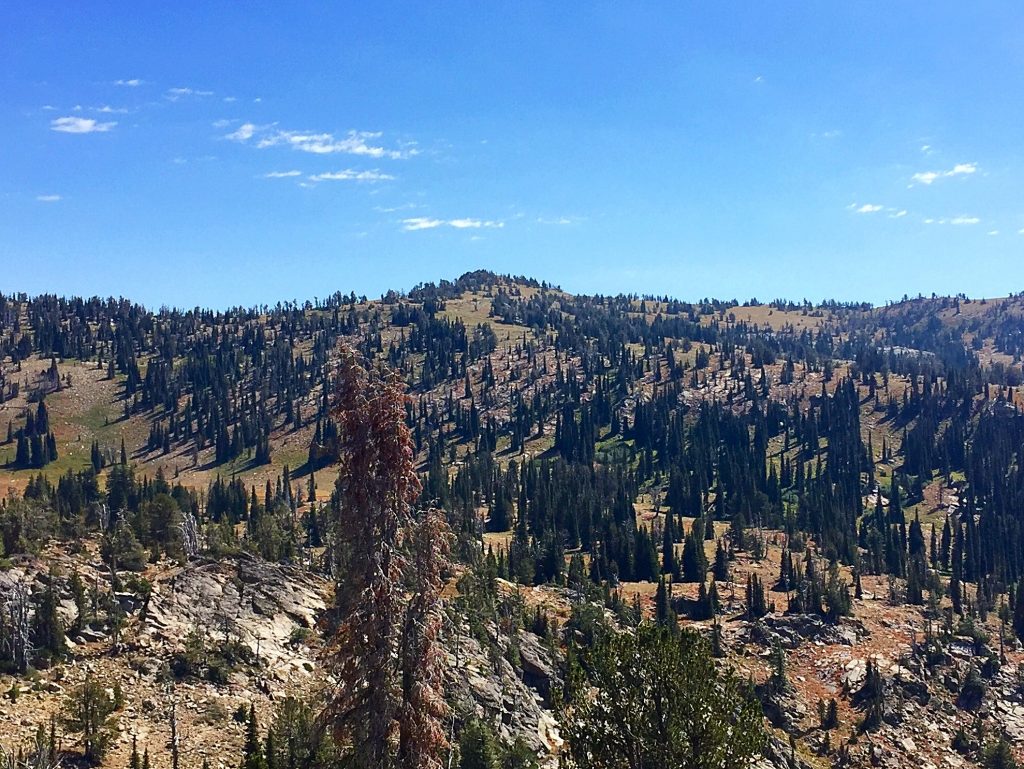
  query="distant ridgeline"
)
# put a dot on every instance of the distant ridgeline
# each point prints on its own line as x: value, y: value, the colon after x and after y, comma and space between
x: 547, y: 415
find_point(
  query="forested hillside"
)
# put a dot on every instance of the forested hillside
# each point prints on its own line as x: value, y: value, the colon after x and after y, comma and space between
x: 794, y: 481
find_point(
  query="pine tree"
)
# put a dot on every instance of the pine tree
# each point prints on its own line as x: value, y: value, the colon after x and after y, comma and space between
x: 664, y: 614
x: 631, y: 670
x: 837, y: 593
x: 252, y: 751
x: 695, y: 562
x: 88, y: 711
x: 756, y: 606
x: 720, y: 570
x: 384, y: 554
x: 478, y: 747
x: 1018, y: 611
x: 269, y: 751
x: 668, y: 546
x: 48, y: 629
x: 999, y: 754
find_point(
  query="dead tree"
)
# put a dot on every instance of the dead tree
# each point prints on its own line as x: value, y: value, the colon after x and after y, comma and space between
x: 387, y: 709
x: 16, y: 626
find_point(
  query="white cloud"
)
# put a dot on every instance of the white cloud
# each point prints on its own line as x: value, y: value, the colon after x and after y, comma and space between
x: 173, y: 94
x: 869, y: 208
x: 243, y: 134
x: 47, y: 198
x: 928, y: 177
x: 961, y: 220
x: 80, y: 125
x: 230, y: 99
x: 363, y: 143
x: 428, y: 223
x: 421, y: 223
x: 1020, y: 231
x: 993, y: 232
x: 898, y: 214
x: 559, y: 220
x: 106, y: 109
x: 132, y: 83
x: 350, y: 174
x: 474, y: 224
x: 281, y: 174
x: 393, y: 209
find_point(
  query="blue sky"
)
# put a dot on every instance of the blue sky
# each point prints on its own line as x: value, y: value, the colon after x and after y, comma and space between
x: 225, y: 153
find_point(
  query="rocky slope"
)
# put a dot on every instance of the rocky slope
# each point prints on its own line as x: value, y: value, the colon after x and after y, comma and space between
x: 217, y: 634
x: 214, y: 635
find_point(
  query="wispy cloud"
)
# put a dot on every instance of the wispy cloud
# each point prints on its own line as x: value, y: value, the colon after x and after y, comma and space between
x: 180, y: 92
x: 562, y: 220
x: 47, y: 198
x: 993, y: 232
x: 873, y: 208
x: 281, y: 174
x: 960, y: 221
x: 429, y: 223
x: 928, y: 177
x: 393, y: 209
x: 421, y: 223
x: 463, y: 224
x: 364, y: 143
x: 244, y: 132
x: 80, y: 125
x: 132, y: 83
x: 106, y: 109
x: 351, y: 175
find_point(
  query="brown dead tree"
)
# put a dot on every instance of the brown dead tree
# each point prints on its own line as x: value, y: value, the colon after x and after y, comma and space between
x: 388, y: 705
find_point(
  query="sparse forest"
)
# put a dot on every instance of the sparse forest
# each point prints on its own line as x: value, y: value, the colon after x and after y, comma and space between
x: 634, y: 509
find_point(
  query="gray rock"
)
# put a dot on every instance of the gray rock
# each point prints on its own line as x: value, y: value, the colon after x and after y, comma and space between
x: 538, y: 668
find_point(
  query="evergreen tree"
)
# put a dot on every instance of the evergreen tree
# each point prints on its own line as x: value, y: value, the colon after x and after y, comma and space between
x: 252, y: 752
x: 695, y: 562
x: 619, y: 726
x: 88, y: 711
x: 48, y: 629
x: 1018, y: 611
x: 478, y: 747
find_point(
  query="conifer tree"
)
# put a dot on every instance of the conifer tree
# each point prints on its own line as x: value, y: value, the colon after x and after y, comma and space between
x: 619, y: 727
x: 252, y: 752
x: 695, y: 562
x: 388, y: 714
x: 1018, y: 611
